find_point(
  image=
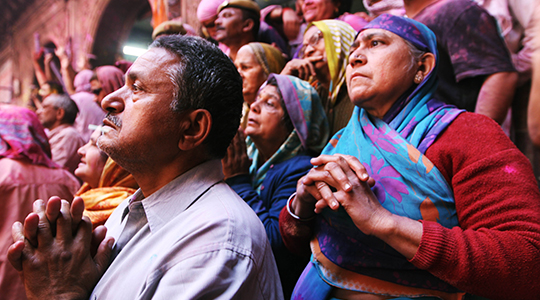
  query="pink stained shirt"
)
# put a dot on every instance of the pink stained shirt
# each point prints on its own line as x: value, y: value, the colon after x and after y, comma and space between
x: 65, y: 140
x: 21, y: 183
x: 89, y: 113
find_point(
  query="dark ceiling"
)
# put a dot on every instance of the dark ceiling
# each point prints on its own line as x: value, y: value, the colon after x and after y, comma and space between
x: 10, y: 11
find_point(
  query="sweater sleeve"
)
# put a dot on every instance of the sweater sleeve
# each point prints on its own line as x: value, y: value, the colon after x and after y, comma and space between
x: 296, y: 234
x: 278, y: 185
x: 494, y: 252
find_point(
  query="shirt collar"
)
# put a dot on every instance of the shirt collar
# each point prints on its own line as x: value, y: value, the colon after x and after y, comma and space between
x: 176, y: 196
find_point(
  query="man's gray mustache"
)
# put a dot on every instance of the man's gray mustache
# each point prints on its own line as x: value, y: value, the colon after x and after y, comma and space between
x: 114, y: 119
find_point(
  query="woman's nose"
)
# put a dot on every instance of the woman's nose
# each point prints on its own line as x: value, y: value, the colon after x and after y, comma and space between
x: 81, y: 151
x: 308, y: 50
x: 356, y: 58
x: 255, y: 108
x: 114, y: 102
x: 240, y: 72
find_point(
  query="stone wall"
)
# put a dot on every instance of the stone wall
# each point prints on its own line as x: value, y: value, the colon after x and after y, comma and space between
x: 99, y: 27
x: 54, y: 21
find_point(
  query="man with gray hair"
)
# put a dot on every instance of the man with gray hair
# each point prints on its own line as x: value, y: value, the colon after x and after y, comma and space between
x: 185, y: 234
x: 57, y: 114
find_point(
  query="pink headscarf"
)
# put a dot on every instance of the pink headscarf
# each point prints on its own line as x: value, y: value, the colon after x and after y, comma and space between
x: 110, y: 77
x: 207, y: 9
x: 190, y: 30
x: 394, y: 7
x: 22, y: 136
x: 81, y: 82
x: 123, y: 65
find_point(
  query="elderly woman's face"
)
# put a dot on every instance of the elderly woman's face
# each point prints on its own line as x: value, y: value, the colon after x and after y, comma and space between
x: 316, y: 10
x: 378, y: 71
x: 265, y: 120
x: 251, y: 71
x: 92, y: 161
x: 313, y: 46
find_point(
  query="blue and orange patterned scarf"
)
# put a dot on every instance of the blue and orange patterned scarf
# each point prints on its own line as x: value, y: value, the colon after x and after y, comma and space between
x: 407, y: 184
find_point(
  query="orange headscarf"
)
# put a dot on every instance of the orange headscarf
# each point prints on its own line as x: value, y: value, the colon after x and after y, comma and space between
x: 115, y: 185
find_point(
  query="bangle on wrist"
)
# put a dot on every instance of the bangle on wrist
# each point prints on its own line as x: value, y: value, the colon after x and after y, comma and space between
x: 293, y: 215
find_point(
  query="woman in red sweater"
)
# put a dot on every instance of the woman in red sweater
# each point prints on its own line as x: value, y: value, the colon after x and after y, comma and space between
x: 453, y: 206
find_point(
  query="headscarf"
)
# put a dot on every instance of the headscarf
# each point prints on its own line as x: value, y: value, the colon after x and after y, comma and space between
x: 89, y: 113
x: 271, y: 60
x: 379, y: 7
x: 22, y: 136
x: 407, y: 184
x: 110, y: 77
x: 81, y: 82
x: 338, y: 38
x: 269, y: 57
x: 207, y: 9
x: 123, y: 65
x: 115, y: 185
x: 354, y: 20
x: 307, y: 115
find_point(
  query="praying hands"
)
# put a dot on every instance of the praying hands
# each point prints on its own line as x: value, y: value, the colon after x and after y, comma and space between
x: 57, y: 253
x: 341, y: 180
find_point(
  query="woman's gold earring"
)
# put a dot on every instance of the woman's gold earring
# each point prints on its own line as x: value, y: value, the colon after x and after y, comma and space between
x: 418, y: 78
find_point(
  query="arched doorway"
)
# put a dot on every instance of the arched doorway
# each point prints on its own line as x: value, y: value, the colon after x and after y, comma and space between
x: 115, y: 25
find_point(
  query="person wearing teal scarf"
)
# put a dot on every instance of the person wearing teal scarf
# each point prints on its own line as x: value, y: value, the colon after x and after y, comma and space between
x: 413, y: 199
x: 286, y: 127
x: 388, y: 133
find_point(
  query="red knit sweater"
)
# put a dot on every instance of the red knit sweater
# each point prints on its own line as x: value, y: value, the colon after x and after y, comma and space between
x: 495, y: 253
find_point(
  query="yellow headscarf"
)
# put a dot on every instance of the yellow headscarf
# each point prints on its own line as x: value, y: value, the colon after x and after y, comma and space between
x: 271, y: 60
x: 338, y: 38
x: 269, y: 57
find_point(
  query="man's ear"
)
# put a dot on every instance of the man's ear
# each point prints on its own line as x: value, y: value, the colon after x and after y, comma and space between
x: 60, y: 113
x: 194, y: 127
x: 426, y: 64
x: 248, y: 25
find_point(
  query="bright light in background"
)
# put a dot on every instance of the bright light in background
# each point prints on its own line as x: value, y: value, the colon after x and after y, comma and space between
x: 134, y: 51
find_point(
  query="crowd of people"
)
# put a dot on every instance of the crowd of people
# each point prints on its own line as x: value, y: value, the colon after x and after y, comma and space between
x: 285, y: 150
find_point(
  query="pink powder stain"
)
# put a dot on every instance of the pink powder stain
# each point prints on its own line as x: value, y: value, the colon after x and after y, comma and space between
x: 510, y: 170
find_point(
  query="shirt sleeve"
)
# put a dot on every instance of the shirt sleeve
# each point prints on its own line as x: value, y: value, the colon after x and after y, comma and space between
x: 475, y: 45
x: 296, y: 234
x: 494, y: 251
